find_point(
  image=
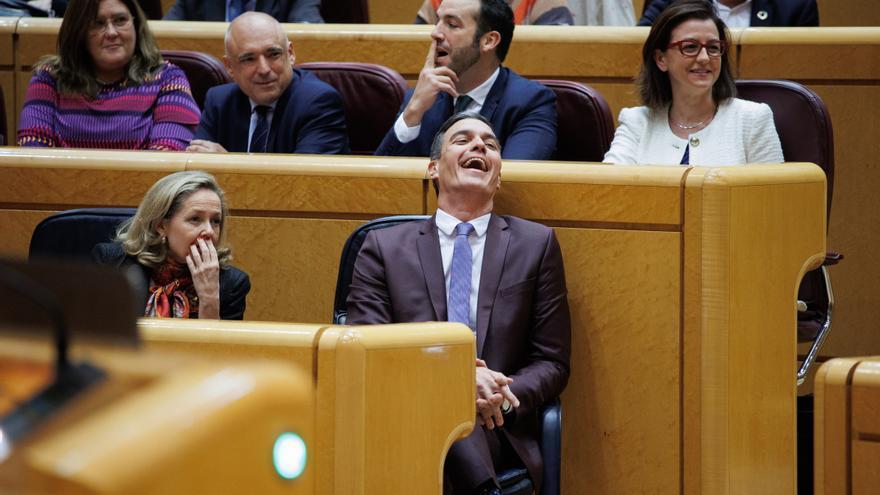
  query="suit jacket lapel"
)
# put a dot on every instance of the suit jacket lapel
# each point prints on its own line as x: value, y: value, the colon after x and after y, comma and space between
x: 494, y: 254
x: 432, y: 267
x: 279, y: 113
x: 214, y: 10
x: 239, y: 138
x: 494, y: 96
x: 761, y: 6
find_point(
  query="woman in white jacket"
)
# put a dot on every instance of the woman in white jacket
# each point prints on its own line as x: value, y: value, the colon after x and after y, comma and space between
x: 691, y: 114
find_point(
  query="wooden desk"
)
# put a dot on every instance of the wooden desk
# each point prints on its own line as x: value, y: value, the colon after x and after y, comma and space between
x: 681, y: 283
x: 164, y: 424
x: 389, y: 399
x: 846, y: 427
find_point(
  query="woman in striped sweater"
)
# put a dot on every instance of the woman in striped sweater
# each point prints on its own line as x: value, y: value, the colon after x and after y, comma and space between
x: 108, y: 87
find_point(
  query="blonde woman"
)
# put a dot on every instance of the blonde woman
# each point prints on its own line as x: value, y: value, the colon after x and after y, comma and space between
x: 178, y: 240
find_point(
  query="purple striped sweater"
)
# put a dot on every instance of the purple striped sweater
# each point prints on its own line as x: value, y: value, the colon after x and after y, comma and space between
x: 159, y: 114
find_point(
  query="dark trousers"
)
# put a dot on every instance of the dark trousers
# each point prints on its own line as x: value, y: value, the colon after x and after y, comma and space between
x: 472, y: 462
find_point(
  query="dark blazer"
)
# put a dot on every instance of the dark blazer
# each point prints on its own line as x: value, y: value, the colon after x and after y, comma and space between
x: 523, y: 323
x: 776, y: 13
x: 308, y: 118
x: 522, y: 113
x: 234, y: 283
x: 215, y: 10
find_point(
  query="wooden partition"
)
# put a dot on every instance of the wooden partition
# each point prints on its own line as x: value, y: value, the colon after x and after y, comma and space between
x: 389, y: 399
x: 681, y: 280
x: 157, y: 423
x: 840, y: 64
x: 847, y: 427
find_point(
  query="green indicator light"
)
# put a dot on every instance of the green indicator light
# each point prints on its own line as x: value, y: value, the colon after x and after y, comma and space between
x: 289, y: 455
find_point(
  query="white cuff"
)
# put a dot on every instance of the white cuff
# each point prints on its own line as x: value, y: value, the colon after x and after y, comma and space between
x: 405, y: 134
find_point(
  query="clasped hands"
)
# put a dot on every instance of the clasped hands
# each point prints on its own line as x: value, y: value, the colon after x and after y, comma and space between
x: 493, y: 389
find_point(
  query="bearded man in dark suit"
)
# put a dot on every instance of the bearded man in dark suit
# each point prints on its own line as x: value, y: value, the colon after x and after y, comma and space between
x: 500, y: 275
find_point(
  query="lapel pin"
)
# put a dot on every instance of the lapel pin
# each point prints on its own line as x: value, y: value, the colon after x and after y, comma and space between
x: 762, y: 14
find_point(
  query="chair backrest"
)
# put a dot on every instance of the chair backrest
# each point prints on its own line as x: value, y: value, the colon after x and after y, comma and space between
x: 349, y: 255
x: 345, y: 11
x: 371, y: 94
x: 72, y: 234
x: 203, y: 71
x: 802, y: 122
x: 585, y: 125
x: 152, y: 8
x: 4, y: 135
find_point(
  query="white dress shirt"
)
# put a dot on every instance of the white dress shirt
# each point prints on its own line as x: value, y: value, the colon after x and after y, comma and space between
x: 255, y: 117
x: 446, y: 232
x: 739, y: 16
x: 406, y: 134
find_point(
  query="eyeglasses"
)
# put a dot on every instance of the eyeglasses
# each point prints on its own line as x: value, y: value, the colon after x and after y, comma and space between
x: 692, y: 48
x: 119, y: 22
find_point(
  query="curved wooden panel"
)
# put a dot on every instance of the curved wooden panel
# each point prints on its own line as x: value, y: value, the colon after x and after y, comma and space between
x: 404, y: 393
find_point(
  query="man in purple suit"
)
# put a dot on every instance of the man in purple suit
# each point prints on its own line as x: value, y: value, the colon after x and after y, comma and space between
x: 500, y: 275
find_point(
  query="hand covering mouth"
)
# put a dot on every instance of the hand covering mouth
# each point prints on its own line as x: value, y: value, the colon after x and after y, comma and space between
x: 476, y: 163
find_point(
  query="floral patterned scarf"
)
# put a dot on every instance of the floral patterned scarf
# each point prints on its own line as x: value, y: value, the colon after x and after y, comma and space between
x: 172, y: 294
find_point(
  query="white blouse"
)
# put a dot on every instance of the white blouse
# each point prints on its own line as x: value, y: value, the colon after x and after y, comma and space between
x: 742, y: 132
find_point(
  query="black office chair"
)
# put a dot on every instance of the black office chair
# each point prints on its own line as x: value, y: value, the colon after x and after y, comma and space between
x: 513, y: 481
x: 71, y: 234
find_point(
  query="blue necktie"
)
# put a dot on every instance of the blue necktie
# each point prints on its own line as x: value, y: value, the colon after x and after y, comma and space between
x: 462, y: 104
x: 460, y: 282
x: 261, y: 130
x: 234, y: 8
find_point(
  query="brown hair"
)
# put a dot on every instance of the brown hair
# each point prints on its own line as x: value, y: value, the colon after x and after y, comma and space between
x: 653, y: 84
x: 73, y: 66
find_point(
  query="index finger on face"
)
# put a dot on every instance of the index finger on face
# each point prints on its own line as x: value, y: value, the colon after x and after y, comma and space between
x: 432, y: 52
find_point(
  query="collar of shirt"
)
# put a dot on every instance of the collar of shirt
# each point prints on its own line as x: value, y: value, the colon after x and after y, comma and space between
x: 446, y: 223
x: 480, y: 93
x: 254, y: 107
x: 738, y: 16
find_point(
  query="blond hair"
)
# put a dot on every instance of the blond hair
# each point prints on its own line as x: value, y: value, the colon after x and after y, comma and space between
x: 139, y: 235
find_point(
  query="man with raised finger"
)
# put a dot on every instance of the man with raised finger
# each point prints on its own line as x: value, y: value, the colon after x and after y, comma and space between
x: 463, y: 72
x: 500, y: 275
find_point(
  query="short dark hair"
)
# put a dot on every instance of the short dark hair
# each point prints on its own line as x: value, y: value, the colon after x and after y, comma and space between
x: 73, y: 66
x: 653, y: 84
x: 496, y: 15
x: 437, y: 143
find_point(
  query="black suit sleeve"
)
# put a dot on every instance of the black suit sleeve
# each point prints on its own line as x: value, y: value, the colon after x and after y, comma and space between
x: 207, y: 128
x: 305, y: 11
x: 177, y: 12
x: 323, y: 130
x: 652, y: 12
x: 234, y: 287
x: 809, y: 14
